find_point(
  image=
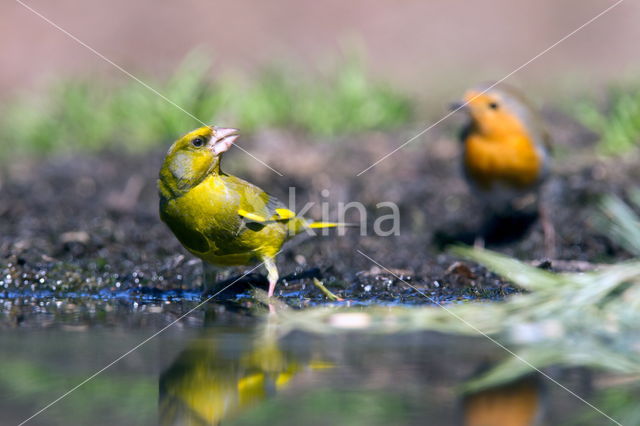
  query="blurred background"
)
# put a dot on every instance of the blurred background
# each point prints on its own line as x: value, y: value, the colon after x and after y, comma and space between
x: 410, y: 43
x: 292, y: 65
x: 320, y: 91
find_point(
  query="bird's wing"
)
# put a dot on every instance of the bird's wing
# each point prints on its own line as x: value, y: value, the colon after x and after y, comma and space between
x: 258, y: 206
x: 534, y: 120
x: 279, y: 215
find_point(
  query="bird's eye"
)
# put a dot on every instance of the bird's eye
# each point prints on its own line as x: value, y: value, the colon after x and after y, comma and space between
x: 197, y: 142
x: 493, y: 105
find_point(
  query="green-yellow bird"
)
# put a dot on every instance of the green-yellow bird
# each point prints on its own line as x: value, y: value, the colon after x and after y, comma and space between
x: 220, y: 218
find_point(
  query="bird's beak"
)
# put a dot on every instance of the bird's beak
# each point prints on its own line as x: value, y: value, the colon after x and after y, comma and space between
x: 223, y: 138
x: 457, y: 106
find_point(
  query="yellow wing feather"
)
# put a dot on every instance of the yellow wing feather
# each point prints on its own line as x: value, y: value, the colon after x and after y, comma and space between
x: 285, y: 213
x: 251, y: 216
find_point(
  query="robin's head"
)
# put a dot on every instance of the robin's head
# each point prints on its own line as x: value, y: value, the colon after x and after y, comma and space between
x: 496, y: 111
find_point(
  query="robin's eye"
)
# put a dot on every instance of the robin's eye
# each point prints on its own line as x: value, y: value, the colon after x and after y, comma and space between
x: 493, y: 105
x: 197, y: 142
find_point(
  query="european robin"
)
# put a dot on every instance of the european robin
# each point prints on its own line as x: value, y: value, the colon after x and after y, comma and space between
x: 518, y: 403
x: 506, y: 154
x: 220, y: 218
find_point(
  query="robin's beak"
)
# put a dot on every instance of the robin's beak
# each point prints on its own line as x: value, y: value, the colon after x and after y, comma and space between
x: 457, y: 106
x: 223, y: 139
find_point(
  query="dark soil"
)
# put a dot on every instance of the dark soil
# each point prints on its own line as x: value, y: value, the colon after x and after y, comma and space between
x: 87, y: 226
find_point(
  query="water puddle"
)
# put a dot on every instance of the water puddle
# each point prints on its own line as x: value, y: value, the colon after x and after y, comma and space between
x: 220, y: 365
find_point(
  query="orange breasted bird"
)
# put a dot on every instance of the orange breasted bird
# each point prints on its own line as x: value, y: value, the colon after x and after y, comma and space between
x: 506, y: 153
x: 220, y: 218
x: 522, y: 402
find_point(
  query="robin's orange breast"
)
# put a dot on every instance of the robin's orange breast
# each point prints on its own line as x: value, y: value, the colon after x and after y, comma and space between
x: 512, y: 161
x: 516, y: 404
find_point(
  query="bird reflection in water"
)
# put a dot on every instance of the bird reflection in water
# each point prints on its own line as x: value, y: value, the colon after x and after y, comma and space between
x: 518, y: 403
x: 208, y: 382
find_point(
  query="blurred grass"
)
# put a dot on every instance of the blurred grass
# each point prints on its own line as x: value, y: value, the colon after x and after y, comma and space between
x: 620, y: 222
x: 586, y: 319
x: 563, y: 320
x: 90, y: 115
x: 623, y: 401
x: 617, y: 122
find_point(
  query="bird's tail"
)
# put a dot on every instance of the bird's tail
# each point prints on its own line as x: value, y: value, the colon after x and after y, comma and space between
x: 300, y: 225
x: 321, y: 225
x: 295, y: 223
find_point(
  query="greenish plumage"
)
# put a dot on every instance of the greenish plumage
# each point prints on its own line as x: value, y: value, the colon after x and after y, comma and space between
x: 222, y: 219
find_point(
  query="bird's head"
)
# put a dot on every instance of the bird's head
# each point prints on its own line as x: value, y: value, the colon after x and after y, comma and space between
x: 194, y: 156
x: 496, y: 112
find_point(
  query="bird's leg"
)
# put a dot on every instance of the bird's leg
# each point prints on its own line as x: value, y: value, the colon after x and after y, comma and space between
x: 548, y: 231
x: 272, y: 275
x: 484, y: 231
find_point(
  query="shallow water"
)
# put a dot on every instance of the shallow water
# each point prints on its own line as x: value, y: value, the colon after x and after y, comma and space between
x: 225, y: 364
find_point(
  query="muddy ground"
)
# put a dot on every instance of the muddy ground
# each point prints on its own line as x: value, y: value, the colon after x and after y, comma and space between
x: 85, y: 226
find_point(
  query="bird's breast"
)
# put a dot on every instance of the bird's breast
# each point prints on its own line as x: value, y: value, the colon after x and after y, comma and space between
x: 514, y: 162
x: 204, y: 217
